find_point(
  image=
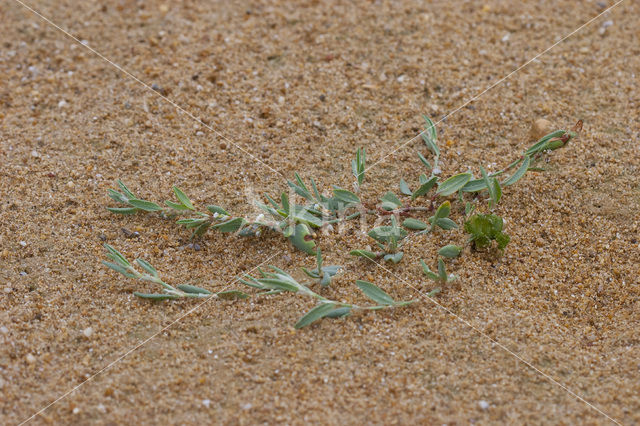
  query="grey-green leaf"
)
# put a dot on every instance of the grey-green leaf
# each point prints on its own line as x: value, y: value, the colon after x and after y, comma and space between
x: 147, y: 267
x: 374, y: 293
x: 453, y: 184
x: 519, y: 173
x: 404, y: 187
x: 425, y: 187
x: 363, y: 253
x: 147, y: 206
x: 231, y: 225
x: 412, y: 223
x: 450, y: 251
x: 183, y: 198
x: 193, y: 289
x: 123, y: 210
x: 442, y: 270
x: 319, y: 311
x: 155, y: 296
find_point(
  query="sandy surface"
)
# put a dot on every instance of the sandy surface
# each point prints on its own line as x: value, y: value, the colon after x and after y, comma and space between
x: 300, y: 85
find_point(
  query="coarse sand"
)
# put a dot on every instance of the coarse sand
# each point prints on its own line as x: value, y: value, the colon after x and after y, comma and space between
x: 300, y: 85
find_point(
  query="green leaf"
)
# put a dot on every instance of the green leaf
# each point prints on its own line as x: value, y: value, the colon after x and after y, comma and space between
x: 474, y: 185
x: 123, y: 210
x: 450, y: 251
x: 394, y: 257
x: 193, y: 289
x: 118, y: 268
x: 425, y: 187
x: 155, y: 296
x: 453, y: 184
x: 232, y: 294
x: 374, y: 293
x: 412, y: 223
x: 345, y: 196
x: 428, y: 272
x: 319, y: 311
x: 147, y: 267
x: 191, y: 222
x: 446, y: 223
x: 390, y: 201
x: 384, y: 234
x: 299, y: 240
x: 176, y: 206
x: 116, y: 255
x: 126, y: 190
x: 116, y: 196
x: 285, y: 202
x: 443, y: 210
x: 218, y: 209
x: 301, y: 214
x: 404, y: 187
x: 431, y: 130
x: 231, y: 225
x: 424, y: 161
x: 147, y: 206
x: 502, y: 239
x: 519, y: 173
x: 340, y: 312
x: 279, y: 284
x: 183, y: 198
x: 442, y: 271
x: 363, y: 253
x: 542, y: 143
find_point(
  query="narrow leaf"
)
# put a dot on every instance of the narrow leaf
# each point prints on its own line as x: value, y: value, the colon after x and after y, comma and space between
x: 374, y: 293
x: 453, y: 184
x: 155, y: 296
x: 363, y: 253
x: 450, y: 251
x: 123, y: 210
x: 231, y: 225
x: 319, y: 311
x: 425, y: 187
x: 147, y: 267
x: 442, y: 270
x: 147, y: 206
x: 412, y: 223
x: 519, y: 173
x: 193, y: 289
x: 404, y: 188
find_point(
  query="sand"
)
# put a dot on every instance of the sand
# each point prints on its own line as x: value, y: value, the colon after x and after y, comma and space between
x: 301, y: 85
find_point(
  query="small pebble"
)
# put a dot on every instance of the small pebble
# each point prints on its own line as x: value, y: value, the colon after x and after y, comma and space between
x: 101, y: 408
x: 76, y: 410
x: 483, y: 404
x: 87, y: 332
x: 30, y: 358
x: 35, y: 154
x: 206, y: 402
x: 23, y: 243
x: 4, y: 330
x: 62, y: 104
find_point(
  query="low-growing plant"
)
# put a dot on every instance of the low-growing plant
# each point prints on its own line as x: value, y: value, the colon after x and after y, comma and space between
x: 305, y: 210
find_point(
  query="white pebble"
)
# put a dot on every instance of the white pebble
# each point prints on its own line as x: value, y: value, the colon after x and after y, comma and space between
x: 506, y: 37
x: 4, y: 330
x: 483, y: 404
x: 101, y: 408
x: 23, y: 243
x: 35, y: 154
x: 62, y: 104
x: 206, y: 402
x: 30, y: 359
x: 76, y: 410
x: 87, y: 332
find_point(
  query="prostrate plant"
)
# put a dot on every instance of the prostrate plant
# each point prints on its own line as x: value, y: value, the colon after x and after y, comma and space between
x: 121, y: 264
x: 299, y: 215
x: 280, y: 281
